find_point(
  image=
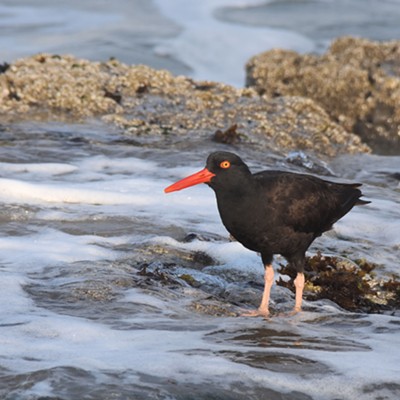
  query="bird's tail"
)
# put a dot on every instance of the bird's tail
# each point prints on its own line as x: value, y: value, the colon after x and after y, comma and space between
x: 351, y: 197
x: 359, y: 202
x: 362, y: 202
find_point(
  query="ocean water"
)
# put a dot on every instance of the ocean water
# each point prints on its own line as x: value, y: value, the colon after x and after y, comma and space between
x: 111, y: 289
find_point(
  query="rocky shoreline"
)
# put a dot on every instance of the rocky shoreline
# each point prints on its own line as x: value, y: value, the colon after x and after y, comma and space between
x: 357, y: 82
x: 345, y: 101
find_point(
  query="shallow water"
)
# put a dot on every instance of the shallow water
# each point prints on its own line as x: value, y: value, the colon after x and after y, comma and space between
x: 97, y: 302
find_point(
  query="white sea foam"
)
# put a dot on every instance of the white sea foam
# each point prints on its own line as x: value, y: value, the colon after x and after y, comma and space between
x: 38, y: 169
x: 92, y: 193
x: 48, y: 247
x: 232, y: 254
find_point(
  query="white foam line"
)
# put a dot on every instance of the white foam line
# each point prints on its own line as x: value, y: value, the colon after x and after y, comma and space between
x: 23, y: 192
x: 51, y: 246
x: 41, y: 168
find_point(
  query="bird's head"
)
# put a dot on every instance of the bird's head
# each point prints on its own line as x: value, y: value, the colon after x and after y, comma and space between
x: 222, y: 169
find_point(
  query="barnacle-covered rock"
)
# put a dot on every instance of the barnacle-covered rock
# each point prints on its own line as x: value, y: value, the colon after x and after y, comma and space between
x: 357, y: 82
x: 141, y: 101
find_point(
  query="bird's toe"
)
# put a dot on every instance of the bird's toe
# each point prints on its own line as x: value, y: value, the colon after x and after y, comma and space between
x: 256, y: 313
x: 291, y: 313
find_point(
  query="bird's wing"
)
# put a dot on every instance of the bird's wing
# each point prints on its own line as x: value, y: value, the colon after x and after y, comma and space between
x: 306, y: 203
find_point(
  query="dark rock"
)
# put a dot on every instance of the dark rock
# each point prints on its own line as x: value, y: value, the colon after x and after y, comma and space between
x: 4, y: 67
x: 229, y: 136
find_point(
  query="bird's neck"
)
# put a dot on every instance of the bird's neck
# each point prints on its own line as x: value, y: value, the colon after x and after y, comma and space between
x: 235, y: 191
x: 235, y: 187
x: 238, y: 208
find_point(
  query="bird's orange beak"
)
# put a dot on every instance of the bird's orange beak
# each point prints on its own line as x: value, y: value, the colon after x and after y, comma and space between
x: 202, y: 176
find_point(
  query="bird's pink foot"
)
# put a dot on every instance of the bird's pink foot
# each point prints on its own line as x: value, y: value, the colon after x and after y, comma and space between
x: 294, y: 312
x: 290, y: 313
x: 256, y: 313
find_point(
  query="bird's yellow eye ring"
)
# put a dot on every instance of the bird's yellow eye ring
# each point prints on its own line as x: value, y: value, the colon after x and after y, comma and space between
x: 225, y: 164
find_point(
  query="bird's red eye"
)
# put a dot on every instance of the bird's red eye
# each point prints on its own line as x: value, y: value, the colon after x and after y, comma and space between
x: 225, y: 164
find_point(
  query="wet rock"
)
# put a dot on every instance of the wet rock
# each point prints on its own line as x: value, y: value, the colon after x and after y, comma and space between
x: 395, y: 176
x: 305, y: 161
x: 163, y: 388
x: 94, y: 291
x: 143, y: 101
x: 203, y: 236
x: 387, y: 390
x: 4, y: 67
x: 267, y: 337
x: 357, y: 82
x: 159, y: 272
x: 60, y: 376
x: 152, y: 254
x: 190, y: 280
x: 277, y: 362
x: 213, y: 307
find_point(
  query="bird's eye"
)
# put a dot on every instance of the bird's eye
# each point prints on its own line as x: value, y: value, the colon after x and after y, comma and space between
x: 225, y: 164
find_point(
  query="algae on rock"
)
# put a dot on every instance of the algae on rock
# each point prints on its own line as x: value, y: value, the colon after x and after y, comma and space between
x: 141, y: 101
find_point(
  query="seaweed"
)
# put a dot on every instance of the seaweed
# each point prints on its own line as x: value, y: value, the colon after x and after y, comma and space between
x: 350, y: 284
x: 229, y: 136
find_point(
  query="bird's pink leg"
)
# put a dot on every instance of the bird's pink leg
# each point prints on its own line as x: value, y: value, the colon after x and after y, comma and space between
x: 299, y: 285
x: 263, y: 310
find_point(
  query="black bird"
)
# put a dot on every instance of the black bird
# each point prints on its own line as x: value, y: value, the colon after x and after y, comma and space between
x: 273, y: 212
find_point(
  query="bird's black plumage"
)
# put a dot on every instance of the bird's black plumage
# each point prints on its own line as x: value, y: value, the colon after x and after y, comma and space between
x: 277, y: 212
x: 274, y: 212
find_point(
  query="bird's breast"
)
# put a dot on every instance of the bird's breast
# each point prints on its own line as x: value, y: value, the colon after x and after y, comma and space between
x: 245, y: 220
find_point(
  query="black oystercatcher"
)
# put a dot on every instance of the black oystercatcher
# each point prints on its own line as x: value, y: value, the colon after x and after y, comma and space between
x: 273, y: 212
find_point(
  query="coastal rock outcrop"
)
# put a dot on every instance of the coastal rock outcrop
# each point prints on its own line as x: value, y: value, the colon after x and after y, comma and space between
x: 357, y: 82
x: 141, y: 100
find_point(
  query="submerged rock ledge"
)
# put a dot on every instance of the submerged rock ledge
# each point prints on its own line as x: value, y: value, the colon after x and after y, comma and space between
x: 357, y: 82
x: 142, y: 100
